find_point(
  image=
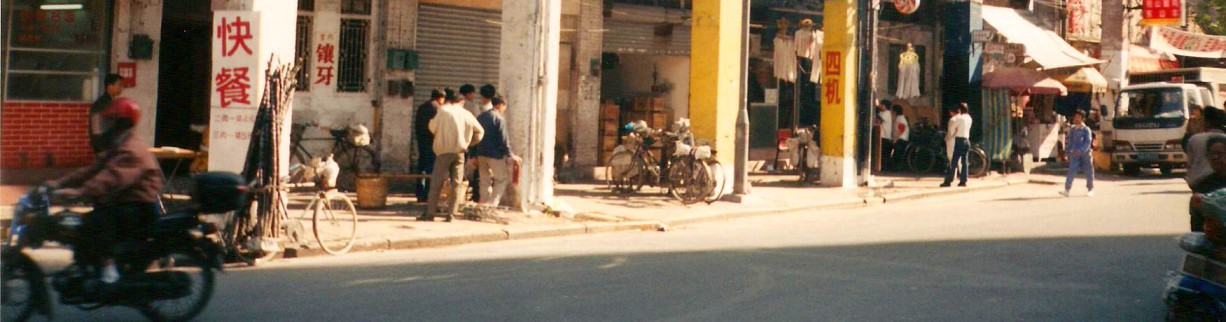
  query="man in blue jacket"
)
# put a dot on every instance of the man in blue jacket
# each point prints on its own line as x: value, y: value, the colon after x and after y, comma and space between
x: 1079, y: 149
x: 494, y: 157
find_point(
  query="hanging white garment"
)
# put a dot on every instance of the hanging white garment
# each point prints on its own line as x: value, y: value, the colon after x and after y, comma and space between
x: 804, y: 43
x: 908, y: 76
x: 815, y: 74
x: 785, y: 59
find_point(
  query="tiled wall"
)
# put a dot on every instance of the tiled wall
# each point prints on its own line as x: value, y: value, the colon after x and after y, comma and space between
x: 43, y: 135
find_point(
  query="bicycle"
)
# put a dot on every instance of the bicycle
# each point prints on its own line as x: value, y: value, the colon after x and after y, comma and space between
x: 926, y: 153
x: 632, y: 165
x: 692, y: 178
x: 805, y: 139
x: 350, y: 149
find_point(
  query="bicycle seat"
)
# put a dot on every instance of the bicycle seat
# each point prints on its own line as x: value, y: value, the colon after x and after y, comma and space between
x: 339, y: 133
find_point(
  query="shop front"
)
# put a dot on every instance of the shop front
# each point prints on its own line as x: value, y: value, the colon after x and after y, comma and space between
x: 55, y: 61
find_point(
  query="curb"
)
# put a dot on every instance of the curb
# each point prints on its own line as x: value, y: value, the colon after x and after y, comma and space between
x: 521, y: 233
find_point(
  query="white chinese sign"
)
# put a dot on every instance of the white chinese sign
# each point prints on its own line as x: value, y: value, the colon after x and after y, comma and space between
x: 236, y: 87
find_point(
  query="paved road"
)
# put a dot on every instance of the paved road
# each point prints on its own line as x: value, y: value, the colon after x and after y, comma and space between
x: 1016, y: 254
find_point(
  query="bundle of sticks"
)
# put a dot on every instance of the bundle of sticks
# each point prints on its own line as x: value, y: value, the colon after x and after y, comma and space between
x: 263, y: 162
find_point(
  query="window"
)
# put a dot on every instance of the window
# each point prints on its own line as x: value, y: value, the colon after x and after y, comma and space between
x: 1152, y: 103
x: 306, y: 5
x: 302, y: 49
x: 55, y: 55
x: 897, y: 49
x: 351, y: 65
x: 357, y: 7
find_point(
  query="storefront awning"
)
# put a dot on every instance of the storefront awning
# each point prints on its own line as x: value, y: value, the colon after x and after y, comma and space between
x: 1023, y: 79
x: 1044, y: 46
x: 1084, y: 80
x: 1141, y: 59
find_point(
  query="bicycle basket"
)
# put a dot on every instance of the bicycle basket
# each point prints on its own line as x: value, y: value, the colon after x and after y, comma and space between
x: 218, y: 192
x: 682, y: 149
x: 703, y: 152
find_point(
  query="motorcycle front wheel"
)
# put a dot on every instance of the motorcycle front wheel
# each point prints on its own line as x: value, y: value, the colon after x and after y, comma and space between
x: 199, y: 287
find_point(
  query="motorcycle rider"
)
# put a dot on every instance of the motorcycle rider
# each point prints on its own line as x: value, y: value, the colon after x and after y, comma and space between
x: 1203, y: 126
x: 123, y: 184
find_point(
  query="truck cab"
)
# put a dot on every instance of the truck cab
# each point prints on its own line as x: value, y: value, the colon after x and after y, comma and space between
x: 1151, y: 116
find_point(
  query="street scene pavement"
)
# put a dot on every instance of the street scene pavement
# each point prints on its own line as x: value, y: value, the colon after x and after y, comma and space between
x: 1013, y: 253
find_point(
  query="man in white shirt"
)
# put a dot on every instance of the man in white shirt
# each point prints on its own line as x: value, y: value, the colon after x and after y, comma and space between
x: 902, y: 136
x: 960, y: 133
x: 886, y: 120
x: 455, y: 130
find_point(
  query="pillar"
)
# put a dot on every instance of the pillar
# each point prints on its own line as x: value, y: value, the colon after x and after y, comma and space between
x: 587, y: 115
x: 715, y: 75
x: 139, y: 19
x: 1115, y: 50
x: 528, y: 77
x: 962, y: 63
x: 246, y: 46
x: 838, y: 94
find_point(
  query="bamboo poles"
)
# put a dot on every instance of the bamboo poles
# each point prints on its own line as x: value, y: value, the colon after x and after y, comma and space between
x: 262, y: 225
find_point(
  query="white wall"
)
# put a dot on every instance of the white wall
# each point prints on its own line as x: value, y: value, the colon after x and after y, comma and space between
x: 632, y: 77
x: 139, y: 17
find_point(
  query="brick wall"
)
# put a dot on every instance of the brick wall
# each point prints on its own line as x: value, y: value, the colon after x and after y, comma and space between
x: 43, y: 135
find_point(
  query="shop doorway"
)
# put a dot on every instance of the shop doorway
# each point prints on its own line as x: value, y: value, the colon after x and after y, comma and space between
x: 183, y: 73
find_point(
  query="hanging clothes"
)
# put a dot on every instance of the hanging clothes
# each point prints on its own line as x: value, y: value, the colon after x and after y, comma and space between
x: 815, y: 74
x: 908, y: 75
x: 785, y: 59
x: 805, y: 40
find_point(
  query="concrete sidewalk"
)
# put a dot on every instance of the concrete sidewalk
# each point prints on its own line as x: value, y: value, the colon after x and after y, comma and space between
x: 592, y: 208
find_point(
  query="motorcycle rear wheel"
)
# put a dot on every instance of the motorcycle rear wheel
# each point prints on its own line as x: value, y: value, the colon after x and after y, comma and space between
x: 18, y: 290
x: 201, y: 287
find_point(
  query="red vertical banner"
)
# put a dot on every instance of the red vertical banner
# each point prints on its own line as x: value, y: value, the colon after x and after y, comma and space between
x: 1163, y: 13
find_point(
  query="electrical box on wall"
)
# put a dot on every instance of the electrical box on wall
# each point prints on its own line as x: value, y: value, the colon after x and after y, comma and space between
x: 402, y: 59
x: 141, y: 47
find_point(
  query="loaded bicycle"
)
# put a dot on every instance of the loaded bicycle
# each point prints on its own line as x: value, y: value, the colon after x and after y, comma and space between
x: 927, y: 153
x: 350, y: 148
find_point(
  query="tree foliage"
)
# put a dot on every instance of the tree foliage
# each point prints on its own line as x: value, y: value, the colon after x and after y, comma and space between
x: 1211, y: 15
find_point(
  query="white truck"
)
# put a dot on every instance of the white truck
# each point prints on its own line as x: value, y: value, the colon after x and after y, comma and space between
x: 1152, y: 115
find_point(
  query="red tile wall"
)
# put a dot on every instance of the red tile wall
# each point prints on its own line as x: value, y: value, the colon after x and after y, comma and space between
x: 44, y: 135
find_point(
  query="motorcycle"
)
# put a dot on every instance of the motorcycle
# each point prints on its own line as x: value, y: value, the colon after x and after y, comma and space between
x: 1197, y: 292
x: 167, y: 275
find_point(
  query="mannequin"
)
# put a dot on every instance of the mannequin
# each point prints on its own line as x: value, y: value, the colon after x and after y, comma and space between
x: 785, y: 53
x: 908, y: 74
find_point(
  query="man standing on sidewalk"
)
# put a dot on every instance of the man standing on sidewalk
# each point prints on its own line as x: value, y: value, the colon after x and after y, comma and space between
x: 902, y: 137
x: 425, y: 140
x: 494, y: 157
x: 455, y: 129
x: 1079, y: 149
x: 960, y: 133
x: 886, y: 120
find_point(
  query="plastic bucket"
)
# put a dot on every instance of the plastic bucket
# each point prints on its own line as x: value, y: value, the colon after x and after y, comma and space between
x: 372, y: 192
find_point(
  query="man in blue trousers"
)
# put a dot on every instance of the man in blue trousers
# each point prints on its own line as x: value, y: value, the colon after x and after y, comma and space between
x: 960, y: 134
x: 1079, y: 149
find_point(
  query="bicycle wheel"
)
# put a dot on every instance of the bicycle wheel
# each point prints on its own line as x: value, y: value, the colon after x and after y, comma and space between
x: 700, y: 183
x: 921, y: 159
x: 977, y: 163
x: 620, y: 166
x: 335, y: 222
x: 679, y: 169
x: 718, y: 179
x: 237, y: 237
x: 802, y: 164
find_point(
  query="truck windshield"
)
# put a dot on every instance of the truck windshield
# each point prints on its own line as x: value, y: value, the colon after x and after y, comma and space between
x: 1152, y: 103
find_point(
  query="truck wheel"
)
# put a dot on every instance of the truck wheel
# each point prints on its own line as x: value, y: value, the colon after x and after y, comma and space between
x: 1167, y: 169
x: 1132, y: 169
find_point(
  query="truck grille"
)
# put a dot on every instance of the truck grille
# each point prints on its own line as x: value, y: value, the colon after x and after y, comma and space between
x: 1149, y: 147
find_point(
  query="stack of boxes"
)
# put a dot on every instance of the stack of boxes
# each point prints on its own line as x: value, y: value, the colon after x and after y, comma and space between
x: 651, y: 110
x: 648, y: 109
x: 610, y: 121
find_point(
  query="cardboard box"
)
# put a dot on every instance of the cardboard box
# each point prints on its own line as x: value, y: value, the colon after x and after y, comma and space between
x: 610, y: 112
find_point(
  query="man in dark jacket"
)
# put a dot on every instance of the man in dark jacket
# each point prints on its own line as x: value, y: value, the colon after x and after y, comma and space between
x: 494, y: 157
x: 425, y: 140
x: 123, y: 183
x: 114, y: 88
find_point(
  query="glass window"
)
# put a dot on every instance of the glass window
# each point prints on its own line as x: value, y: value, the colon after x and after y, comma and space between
x: 302, y: 48
x: 1153, y: 103
x: 359, y: 7
x: 55, y: 50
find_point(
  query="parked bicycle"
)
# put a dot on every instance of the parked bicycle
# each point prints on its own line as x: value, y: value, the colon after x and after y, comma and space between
x: 809, y: 156
x: 927, y: 154
x: 693, y: 174
x: 632, y: 165
x: 350, y: 148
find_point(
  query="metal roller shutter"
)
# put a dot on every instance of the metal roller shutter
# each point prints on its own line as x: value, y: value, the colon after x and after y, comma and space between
x: 456, y: 46
x: 626, y: 37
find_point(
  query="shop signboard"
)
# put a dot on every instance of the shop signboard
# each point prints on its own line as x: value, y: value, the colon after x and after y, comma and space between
x: 981, y: 35
x: 1084, y: 19
x: 235, y: 91
x: 994, y: 48
x: 906, y: 7
x: 1179, y: 42
x: 1163, y: 13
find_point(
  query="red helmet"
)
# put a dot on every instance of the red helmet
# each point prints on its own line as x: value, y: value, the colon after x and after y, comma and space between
x: 123, y: 109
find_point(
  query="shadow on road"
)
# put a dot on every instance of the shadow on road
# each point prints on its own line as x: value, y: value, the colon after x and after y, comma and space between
x: 1055, y: 279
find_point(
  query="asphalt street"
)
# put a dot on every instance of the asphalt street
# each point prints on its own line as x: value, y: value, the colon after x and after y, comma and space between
x: 1020, y: 253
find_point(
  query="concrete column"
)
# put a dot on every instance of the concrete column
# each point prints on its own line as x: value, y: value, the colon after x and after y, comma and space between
x: 838, y: 94
x: 715, y: 75
x: 528, y: 73
x: 1115, y: 47
x: 397, y: 111
x: 139, y: 18
x: 587, y: 115
x: 230, y: 126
